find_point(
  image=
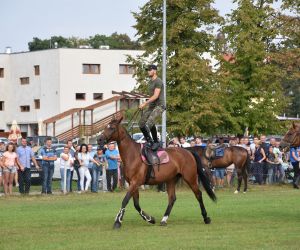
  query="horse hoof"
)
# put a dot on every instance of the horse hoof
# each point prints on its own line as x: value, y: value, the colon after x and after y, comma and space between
x: 207, y: 220
x: 236, y: 192
x: 244, y: 192
x: 163, y: 223
x: 117, y: 225
x: 152, y: 220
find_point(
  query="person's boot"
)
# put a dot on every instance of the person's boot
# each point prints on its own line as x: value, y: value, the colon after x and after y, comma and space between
x: 146, y: 132
x: 156, y: 144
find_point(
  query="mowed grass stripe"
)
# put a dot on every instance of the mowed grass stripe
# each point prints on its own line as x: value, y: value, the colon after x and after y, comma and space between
x: 264, y: 218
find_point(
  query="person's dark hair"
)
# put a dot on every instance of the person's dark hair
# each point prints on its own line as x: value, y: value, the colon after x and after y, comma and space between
x: 83, y: 145
x: 14, y: 146
x: 48, y: 139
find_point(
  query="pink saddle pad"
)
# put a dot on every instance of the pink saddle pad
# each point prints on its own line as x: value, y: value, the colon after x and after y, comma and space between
x: 161, y: 153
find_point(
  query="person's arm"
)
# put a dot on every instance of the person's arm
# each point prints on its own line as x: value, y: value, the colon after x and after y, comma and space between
x: 294, y: 156
x: 18, y: 163
x: 264, y: 155
x: 64, y: 157
x: 152, y: 98
x: 43, y: 154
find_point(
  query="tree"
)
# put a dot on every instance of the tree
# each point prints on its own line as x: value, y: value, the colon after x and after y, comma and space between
x: 194, y: 102
x: 115, y: 41
x: 287, y: 53
x: 252, y: 80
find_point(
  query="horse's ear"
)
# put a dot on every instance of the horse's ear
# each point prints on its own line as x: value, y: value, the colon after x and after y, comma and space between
x: 293, y: 125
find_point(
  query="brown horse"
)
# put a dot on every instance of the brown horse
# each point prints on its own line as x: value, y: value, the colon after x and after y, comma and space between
x: 182, y: 163
x: 292, y: 137
x: 237, y: 155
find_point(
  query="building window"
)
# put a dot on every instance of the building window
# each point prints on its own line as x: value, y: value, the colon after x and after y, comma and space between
x: 126, y: 69
x: 37, y: 70
x: 98, y: 96
x: 25, y: 108
x: 80, y: 96
x: 37, y: 103
x: 91, y: 68
x: 1, y: 72
x: 24, y: 80
x: 1, y: 105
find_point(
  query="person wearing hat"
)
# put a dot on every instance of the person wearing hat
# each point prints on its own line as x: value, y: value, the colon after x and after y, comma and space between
x: 152, y: 108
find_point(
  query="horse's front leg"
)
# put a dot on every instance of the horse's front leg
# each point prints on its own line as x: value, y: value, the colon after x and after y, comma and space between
x: 145, y: 216
x: 118, y: 221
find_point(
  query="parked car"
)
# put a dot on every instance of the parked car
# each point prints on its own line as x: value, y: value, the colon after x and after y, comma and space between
x: 40, y: 140
x: 37, y: 175
x: 139, y: 137
x: 5, y: 140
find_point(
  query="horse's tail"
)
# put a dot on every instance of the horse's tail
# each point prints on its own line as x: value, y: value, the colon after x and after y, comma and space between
x: 203, y: 177
x: 248, y: 163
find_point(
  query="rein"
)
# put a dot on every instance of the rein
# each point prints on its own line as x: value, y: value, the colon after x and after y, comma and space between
x: 130, y: 123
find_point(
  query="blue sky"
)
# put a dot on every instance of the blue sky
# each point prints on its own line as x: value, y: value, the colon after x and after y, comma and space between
x: 22, y: 20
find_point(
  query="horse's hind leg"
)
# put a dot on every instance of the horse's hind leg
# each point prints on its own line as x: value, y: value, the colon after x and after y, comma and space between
x: 198, y: 195
x: 145, y: 216
x: 245, y: 177
x: 240, y: 178
x: 172, y: 198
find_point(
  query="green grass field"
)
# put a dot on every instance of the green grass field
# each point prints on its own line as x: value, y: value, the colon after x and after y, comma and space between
x: 264, y: 218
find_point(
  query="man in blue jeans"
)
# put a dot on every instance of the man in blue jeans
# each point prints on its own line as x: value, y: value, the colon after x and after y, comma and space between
x: 101, y: 159
x: 295, y: 161
x: 25, y: 155
x: 112, y: 156
x: 49, y: 157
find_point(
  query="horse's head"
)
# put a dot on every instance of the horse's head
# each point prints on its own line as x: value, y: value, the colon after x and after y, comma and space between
x: 110, y: 132
x: 209, y: 151
x: 292, y: 137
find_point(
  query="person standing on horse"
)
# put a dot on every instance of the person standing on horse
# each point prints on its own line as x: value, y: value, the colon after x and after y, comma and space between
x: 155, y: 107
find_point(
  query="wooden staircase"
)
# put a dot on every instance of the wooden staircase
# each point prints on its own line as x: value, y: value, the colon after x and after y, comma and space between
x: 77, y: 126
x: 88, y: 130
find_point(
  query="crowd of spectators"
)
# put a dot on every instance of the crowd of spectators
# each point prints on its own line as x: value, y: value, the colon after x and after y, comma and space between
x: 268, y: 164
x: 89, y: 165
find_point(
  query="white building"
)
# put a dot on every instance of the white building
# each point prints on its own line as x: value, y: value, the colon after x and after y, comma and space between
x: 35, y: 86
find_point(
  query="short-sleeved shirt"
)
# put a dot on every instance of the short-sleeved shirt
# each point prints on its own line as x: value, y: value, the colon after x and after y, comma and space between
x: 156, y: 84
x: 92, y: 154
x: 48, y: 152
x: 10, y: 158
x: 66, y: 164
x: 99, y: 158
x: 85, y: 157
x: 295, y: 150
x: 112, y: 163
x: 25, y: 154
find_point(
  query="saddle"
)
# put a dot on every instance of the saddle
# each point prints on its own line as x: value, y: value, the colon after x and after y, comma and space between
x: 153, y: 158
x: 215, y: 152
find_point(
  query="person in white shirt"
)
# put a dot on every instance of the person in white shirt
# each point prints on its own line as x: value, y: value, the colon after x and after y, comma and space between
x: 84, y: 159
x: 183, y: 143
x: 66, y: 162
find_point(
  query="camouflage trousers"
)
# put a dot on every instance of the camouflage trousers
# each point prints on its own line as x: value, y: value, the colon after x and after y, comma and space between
x: 149, y: 115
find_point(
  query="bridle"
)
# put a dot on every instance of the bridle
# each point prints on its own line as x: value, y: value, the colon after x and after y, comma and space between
x: 106, y: 139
